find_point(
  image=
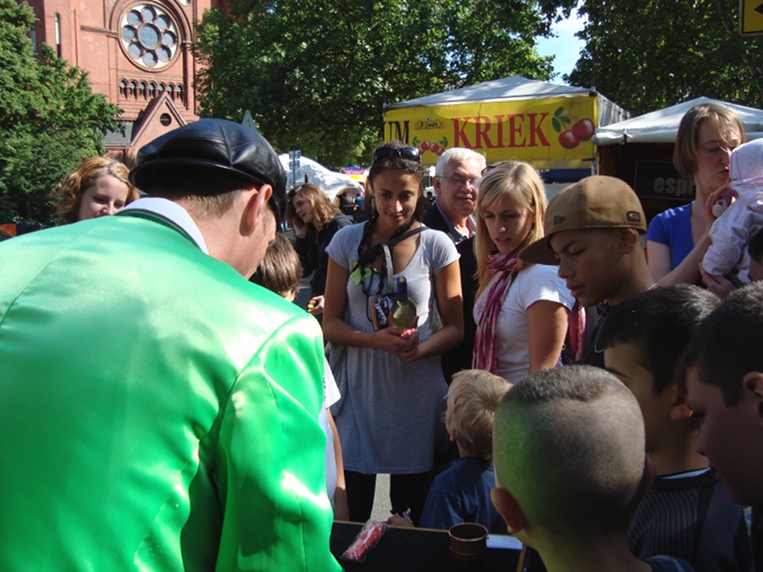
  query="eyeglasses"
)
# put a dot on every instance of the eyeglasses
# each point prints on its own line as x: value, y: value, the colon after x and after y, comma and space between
x: 407, y: 153
x: 460, y: 180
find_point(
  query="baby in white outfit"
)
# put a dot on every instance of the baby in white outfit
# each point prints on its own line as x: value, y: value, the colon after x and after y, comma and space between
x: 732, y: 231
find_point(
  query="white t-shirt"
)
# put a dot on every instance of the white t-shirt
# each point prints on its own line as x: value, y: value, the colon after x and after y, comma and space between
x: 533, y: 284
x: 330, y: 396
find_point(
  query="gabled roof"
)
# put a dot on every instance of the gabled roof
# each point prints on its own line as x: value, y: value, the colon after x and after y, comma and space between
x: 662, y: 126
x: 148, y: 125
x: 512, y: 87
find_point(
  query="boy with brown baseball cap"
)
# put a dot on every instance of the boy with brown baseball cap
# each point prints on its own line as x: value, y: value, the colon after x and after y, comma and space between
x: 594, y: 231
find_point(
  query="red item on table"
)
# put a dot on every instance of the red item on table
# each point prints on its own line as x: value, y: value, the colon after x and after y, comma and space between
x: 367, y: 538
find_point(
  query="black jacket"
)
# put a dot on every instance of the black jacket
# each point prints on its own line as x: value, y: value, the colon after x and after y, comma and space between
x: 461, y: 356
x: 312, y: 252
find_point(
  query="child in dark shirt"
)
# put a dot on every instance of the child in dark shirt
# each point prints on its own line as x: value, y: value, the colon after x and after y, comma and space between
x: 568, y: 446
x: 687, y: 513
x: 462, y: 492
x: 724, y: 381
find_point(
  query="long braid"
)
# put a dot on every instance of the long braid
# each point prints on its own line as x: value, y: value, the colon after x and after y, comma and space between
x: 367, y: 254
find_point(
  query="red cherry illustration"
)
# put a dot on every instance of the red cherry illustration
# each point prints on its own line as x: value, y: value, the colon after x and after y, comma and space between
x: 568, y: 140
x: 583, y: 129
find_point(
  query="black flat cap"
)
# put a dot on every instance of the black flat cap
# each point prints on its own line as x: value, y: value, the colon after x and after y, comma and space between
x: 216, y: 144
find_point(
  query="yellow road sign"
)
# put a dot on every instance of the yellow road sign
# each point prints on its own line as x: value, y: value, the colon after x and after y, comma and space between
x: 751, y: 16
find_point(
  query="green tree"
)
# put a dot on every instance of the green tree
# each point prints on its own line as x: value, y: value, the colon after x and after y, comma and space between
x: 316, y: 75
x: 50, y: 120
x: 646, y: 55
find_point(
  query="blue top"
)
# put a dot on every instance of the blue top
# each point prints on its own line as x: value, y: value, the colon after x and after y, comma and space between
x: 462, y: 494
x: 673, y: 228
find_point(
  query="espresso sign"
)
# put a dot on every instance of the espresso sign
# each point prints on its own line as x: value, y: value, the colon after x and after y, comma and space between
x: 660, y: 180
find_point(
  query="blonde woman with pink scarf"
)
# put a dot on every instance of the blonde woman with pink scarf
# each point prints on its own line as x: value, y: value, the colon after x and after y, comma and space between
x: 522, y: 310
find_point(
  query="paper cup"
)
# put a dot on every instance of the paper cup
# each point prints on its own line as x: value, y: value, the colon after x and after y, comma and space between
x: 468, y: 544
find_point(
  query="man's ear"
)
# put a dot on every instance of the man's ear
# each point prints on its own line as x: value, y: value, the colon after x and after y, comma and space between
x: 508, y: 507
x: 679, y: 410
x: 629, y: 239
x: 437, y: 185
x: 256, y: 203
x: 753, y: 384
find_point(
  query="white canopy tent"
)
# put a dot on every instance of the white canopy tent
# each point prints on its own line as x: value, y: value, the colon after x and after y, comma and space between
x: 513, y: 87
x: 662, y: 126
x: 640, y: 152
x: 328, y: 181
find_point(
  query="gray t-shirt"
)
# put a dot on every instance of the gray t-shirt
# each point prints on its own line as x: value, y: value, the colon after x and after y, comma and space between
x: 390, y: 414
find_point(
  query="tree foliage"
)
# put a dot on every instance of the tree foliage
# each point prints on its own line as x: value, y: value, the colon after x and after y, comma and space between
x: 50, y: 120
x: 316, y: 75
x: 649, y: 54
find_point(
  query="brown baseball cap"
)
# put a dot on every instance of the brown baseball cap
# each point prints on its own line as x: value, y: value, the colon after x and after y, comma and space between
x: 594, y: 202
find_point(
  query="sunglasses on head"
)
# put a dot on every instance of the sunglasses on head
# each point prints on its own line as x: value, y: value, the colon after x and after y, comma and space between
x: 407, y: 153
x: 489, y: 168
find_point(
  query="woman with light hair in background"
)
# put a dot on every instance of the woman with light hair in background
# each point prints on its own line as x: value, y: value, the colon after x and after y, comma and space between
x: 99, y: 187
x: 315, y: 220
x: 522, y: 310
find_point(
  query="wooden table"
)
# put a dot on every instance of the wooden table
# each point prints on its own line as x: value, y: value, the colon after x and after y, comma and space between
x: 419, y: 549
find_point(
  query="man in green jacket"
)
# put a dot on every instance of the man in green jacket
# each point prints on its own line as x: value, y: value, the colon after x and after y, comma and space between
x: 157, y: 410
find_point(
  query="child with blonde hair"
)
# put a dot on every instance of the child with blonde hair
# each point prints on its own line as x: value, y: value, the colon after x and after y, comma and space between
x: 462, y: 492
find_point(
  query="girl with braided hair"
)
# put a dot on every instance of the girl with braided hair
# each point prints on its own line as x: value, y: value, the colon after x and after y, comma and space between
x: 391, y: 381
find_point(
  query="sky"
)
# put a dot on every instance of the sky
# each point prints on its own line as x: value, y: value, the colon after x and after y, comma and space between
x: 566, y: 47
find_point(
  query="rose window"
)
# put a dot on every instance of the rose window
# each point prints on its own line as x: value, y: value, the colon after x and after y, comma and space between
x: 149, y: 35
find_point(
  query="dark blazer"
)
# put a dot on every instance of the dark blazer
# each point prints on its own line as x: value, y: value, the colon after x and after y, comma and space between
x: 461, y: 356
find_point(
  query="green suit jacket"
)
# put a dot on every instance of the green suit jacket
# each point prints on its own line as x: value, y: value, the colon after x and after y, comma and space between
x: 157, y: 411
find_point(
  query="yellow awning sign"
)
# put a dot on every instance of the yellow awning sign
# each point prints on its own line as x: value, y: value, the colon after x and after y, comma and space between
x: 550, y: 132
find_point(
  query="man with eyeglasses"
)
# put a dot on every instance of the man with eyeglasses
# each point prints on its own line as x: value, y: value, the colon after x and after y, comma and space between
x: 456, y: 182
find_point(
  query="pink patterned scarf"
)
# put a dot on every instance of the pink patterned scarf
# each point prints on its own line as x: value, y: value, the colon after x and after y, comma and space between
x: 485, y: 355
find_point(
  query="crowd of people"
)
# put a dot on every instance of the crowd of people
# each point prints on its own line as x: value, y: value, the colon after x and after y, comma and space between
x: 575, y: 375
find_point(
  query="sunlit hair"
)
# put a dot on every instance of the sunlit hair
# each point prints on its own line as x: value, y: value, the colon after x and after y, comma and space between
x: 687, y: 140
x: 521, y: 182
x: 457, y: 155
x: 74, y: 186
x: 280, y: 270
x: 323, y: 209
x: 568, y: 444
x: 473, y: 398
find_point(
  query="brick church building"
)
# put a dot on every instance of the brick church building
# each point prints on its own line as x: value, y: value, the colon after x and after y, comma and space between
x: 137, y: 53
